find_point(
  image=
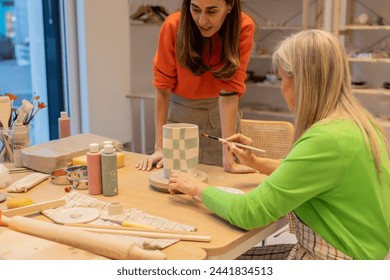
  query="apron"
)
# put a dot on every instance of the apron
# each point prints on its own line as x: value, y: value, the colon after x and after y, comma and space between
x: 311, y: 246
x: 205, y: 114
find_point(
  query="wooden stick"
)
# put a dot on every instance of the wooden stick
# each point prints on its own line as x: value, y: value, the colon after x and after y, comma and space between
x: 30, y: 209
x: 150, y: 233
x: 107, y: 246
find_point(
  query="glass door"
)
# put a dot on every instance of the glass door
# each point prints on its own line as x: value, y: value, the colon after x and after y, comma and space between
x: 30, y: 63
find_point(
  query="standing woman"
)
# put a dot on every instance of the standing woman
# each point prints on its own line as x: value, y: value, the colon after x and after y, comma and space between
x: 199, y: 73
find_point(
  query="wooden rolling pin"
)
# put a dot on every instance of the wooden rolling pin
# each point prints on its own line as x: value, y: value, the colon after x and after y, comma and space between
x: 106, y: 246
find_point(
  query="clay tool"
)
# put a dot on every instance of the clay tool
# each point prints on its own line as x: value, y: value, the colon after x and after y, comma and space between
x: 148, y: 233
x: 224, y: 141
x: 34, y: 208
x: 126, y: 223
x: 107, y: 246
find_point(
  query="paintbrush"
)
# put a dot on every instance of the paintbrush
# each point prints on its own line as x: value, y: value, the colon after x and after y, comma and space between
x: 224, y: 141
x: 23, y: 112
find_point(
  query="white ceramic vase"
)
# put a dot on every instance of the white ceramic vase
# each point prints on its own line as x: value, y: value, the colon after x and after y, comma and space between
x: 180, y: 148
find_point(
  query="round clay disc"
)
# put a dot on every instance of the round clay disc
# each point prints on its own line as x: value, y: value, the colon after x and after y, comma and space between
x: 75, y: 215
x: 158, y: 181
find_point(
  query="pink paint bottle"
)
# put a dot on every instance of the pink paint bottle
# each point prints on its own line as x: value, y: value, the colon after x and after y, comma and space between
x: 63, y: 125
x: 94, y: 168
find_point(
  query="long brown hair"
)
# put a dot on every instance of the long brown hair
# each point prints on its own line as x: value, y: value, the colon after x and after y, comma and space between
x: 190, y: 43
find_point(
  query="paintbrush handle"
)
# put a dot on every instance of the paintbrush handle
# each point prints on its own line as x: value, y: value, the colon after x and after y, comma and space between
x: 248, y: 147
x: 150, y: 233
x: 224, y: 141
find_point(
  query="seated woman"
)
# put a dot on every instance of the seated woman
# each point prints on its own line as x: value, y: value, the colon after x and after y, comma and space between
x: 336, y: 178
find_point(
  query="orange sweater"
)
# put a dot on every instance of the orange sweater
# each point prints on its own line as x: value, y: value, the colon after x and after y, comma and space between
x: 169, y: 74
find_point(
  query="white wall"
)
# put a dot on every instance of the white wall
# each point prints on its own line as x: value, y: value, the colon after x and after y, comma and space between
x: 143, y: 45
x: 104, y: 62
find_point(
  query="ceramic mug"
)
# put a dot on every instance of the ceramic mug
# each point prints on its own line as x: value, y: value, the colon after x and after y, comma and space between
x: 180, y: 148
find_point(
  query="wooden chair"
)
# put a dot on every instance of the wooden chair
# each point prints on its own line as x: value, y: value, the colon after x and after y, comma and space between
x: 275, y: 137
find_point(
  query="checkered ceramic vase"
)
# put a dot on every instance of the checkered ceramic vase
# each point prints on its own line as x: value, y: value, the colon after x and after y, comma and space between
x: 180, y: 148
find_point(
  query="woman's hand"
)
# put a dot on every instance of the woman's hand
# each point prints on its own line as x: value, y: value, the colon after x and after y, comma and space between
x: 147, y: 163
x: 185, y: 183
x: 231, y: 166
x: 245, y: 156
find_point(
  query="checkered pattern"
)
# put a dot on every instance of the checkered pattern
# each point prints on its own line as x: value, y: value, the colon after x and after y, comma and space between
x: 270, y: 252
x: 133, y: 215
x: 312, y: 246
x: 180, y: 148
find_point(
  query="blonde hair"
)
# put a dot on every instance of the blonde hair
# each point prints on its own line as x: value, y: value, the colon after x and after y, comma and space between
x: 318, y: 63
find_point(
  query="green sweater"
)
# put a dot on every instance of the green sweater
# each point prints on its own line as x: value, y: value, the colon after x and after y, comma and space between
x: 330, y: 182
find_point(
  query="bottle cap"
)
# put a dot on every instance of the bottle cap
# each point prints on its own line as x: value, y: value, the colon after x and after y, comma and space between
x: 64, y: 115
x: 108, y: 142
x: 94, y: 147
x: 108, y: 149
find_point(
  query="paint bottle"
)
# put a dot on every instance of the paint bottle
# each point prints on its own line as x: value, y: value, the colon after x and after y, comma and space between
x: 107, y: 142
x: 94, y: 168
x: 109, y: 171
x: 63, y: 125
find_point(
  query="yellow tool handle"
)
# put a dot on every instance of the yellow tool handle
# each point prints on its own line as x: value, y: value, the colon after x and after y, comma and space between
x: 128, y: 224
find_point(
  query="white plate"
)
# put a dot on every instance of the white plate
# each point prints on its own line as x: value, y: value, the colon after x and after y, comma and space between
x: 75, y: 215
x: 225, y: 189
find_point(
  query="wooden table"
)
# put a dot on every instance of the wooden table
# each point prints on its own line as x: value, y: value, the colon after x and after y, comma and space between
x: 227, y: 242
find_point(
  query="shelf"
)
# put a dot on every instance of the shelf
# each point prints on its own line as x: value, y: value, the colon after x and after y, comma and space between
x: 370, y: 60
x: 364, y: 27
x: 375, y: 91
x: 281, y: 27
x: 264, y: 113
x: 263, y: 85
x: 386, y: 125
x: 262, y: 56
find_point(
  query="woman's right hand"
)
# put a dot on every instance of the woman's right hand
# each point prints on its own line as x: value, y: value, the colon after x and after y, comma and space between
x: 154, y: 159
x: 245, y: 156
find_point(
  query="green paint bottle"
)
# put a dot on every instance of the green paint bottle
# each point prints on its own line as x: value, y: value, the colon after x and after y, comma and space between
x: 109, y: 171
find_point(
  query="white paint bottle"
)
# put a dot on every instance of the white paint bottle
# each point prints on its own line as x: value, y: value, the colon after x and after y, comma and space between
x: 94, y: 167
x: 109, y: 171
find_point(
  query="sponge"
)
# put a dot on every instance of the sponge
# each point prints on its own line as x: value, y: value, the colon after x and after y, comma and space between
x: 82, y: 160
x: 16, y: 202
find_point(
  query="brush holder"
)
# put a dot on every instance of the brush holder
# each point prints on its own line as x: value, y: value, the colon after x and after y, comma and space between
x: 20, y: 135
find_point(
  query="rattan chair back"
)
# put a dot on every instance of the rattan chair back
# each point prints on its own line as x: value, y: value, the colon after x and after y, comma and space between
x: 275, y: 137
